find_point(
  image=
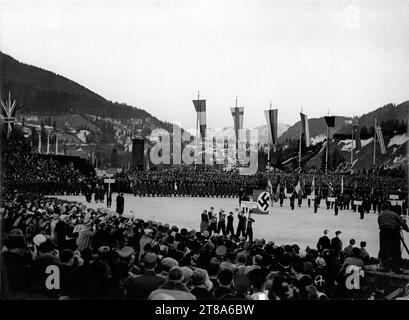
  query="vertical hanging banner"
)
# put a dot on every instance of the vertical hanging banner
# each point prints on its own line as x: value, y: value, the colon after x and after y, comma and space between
x: 380, y: 139
x: 355, y: 126
x: 305, y: 129
x: 272, y: 120
x: 330, y: 121
x: 238, y: 115
x: 200, y: 107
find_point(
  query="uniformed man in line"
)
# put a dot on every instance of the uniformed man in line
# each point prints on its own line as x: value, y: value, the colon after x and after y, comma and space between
x: 390, y: 226
x: 361, y: 211
x: 315, y: 204
x: 230, y: 228
x: 281, y: 198
x: 241, y: 225
x: 249, y: 231
x: 336, y: 206
x: 221, y: 226
x: 292, y: 201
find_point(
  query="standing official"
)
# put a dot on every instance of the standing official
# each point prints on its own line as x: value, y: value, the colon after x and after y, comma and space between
x: 221, y: 226
x: 390, y: 225
x: 230, y: 228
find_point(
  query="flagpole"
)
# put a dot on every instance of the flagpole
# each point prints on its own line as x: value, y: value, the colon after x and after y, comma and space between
x: 39, y: 142
x: 197, y: 126
x: 352, y: 143
x: 56, y: 143
x: 236, y: 124
x: 374, y: 145
x: 48, y: 141
x: 269, y: 143
x: 299, y: 152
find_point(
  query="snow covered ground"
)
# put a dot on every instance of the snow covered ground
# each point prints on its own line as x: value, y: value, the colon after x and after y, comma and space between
x: 398, y: 140
x: 281, y: 225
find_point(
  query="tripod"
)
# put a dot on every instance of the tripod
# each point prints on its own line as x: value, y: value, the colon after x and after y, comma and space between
x: 403, y: 242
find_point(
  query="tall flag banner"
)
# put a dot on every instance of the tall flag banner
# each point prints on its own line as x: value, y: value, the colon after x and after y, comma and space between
x: 330, y: 189
x: 355, y: 128
x: 298, y: 188
x: 313, y: 186
x: 8, y: 112
x: 272, y: 119
x: 342, y: 184
x: 200, y: 107
x: 305, y: 129
x: 330, y: 121
x: 380, y: 139
x: 238, y: 115
x: 277, y: 193
x: 269, y: 187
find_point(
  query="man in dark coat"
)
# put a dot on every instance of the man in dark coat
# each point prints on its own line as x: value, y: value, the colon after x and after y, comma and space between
x: 241, y: 225
x: 230, y: 228
x: 16, y: 272
x: 390, y: 225
x: 324, y: 242
x: 142, y: 286
x: 336, y: 243
x: 120, y: 203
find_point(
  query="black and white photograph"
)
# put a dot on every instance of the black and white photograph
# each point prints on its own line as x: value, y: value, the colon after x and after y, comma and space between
x: 215, y: 151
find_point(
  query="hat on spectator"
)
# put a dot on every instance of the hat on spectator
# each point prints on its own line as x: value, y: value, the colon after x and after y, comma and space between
x: 176, y: 274
x: 16, y: 241
x: 201, y: 277
x: 150, y: 260
x: 321, y: 262
x: 126, y: 252
x: 221, y: 251
x: 39, y: 239
x: 147, y: 231
x: 187, y: 274
x: 157, y: 295
x: 168, y: 263
x: 15, y: 232
x: 47, y: 246
x: 338, y: 232
x: 103, y: 249
x: 302, y: 254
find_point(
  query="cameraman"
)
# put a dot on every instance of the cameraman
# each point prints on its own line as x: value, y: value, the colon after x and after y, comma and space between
x: 390, y: 225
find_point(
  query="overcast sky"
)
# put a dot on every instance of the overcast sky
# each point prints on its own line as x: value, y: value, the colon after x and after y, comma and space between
x: 346, y: 56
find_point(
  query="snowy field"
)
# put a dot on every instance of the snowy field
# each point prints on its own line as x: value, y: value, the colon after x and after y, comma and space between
x: 281, y: 225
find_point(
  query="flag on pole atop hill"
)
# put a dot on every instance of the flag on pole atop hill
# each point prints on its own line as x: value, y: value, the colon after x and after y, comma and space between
x: 200, y: 107
x: 342, y: 184
x: 8, y: 112
x: 380, y: 138
x: 305, y: 129
x: 271, y: 117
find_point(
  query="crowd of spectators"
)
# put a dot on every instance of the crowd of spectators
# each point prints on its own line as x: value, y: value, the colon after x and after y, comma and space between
x: 104, y: 255
x: 25, y: 170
